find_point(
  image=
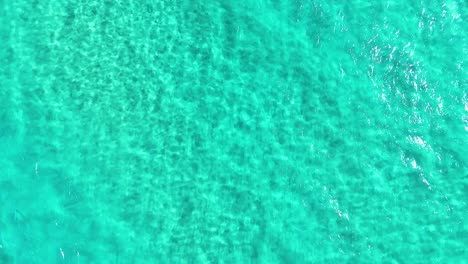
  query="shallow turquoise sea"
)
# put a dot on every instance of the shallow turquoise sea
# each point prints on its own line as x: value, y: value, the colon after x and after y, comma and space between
x: 255, y: 131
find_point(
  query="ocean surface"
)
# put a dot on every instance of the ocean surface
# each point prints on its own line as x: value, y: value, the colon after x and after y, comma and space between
x: 254, y: 131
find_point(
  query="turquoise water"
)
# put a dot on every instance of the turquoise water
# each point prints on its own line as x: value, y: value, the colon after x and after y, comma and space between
x: 233, y: 131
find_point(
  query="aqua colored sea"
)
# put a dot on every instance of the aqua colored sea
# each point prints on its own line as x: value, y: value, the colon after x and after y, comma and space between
x: 223, y: 131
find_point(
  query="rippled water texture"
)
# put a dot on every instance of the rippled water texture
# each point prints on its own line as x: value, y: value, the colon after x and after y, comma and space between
x: 256, y: 131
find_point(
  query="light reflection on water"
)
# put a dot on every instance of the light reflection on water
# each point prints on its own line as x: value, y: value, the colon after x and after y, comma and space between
x: 261, y: 131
